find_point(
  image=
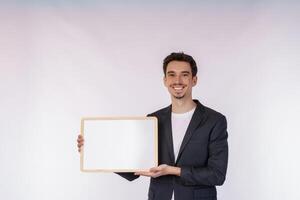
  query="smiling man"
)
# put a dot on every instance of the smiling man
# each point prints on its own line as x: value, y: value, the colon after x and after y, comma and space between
x: 192, y: 140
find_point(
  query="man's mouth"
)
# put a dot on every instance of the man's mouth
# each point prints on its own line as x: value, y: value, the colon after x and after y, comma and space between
x: 178, y: 88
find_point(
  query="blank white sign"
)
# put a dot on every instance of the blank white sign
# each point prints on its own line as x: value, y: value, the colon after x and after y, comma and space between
x: 119, y: 144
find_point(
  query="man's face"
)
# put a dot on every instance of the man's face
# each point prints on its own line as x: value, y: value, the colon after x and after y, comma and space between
x: 179, y: 80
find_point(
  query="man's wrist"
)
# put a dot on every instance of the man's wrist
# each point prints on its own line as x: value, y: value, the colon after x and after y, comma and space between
x: 175, y: 171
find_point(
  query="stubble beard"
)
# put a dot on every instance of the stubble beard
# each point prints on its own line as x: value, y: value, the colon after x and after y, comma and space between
x: 178, y: 97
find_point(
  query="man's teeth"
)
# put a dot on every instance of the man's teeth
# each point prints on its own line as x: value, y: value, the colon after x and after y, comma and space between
x: 178, y: 88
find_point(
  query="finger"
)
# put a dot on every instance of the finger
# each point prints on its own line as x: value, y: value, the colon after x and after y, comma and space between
x: 144, y: 173
x: 154, y: 169
x: 80, y: 137
x: 158, y: 174
x: 161, y: 167
x: 147, y: 174
x: 140, y: 173
x: 80, y: 142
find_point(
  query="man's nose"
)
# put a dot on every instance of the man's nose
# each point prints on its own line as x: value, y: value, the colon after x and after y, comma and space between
x: 178, y: 79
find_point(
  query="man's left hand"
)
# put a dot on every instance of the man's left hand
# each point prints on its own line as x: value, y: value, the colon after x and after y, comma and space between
x: 161, y: 170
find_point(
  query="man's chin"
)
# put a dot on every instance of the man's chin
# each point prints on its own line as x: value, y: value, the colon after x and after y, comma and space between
x: 178, y: 97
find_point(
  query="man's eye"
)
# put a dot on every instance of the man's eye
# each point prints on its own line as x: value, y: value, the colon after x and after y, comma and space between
x: 171, y: 75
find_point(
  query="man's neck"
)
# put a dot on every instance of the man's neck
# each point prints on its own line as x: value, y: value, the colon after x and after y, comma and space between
x: 182, y: 105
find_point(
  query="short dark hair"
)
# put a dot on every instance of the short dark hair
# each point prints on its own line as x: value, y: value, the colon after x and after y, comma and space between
x: 180, y: 56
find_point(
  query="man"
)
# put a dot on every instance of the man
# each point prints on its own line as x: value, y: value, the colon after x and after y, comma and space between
x: 192, y: 140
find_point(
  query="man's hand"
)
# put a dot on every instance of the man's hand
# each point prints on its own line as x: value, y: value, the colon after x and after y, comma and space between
x: 80, y: 142
x: 161, y: 170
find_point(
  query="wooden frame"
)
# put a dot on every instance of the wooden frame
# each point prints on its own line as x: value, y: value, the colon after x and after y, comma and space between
x: 142, y: 123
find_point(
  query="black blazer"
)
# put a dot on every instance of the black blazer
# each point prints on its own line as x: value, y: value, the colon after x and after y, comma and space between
x: 202, y: 157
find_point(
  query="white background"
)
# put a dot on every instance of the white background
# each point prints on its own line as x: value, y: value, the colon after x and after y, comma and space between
x: 62, y: 61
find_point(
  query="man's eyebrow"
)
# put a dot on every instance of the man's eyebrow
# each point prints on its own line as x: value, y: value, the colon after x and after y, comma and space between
x: 185, y: 72
x: 170, y: 72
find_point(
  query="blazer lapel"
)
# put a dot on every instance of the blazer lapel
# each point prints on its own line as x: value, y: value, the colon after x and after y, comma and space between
x: 194, y: 123
x: 168, y: 132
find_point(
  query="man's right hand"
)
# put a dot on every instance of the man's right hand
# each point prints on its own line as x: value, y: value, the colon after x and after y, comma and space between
x: 80, y: 142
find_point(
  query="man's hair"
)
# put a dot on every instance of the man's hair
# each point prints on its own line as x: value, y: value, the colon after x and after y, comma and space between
x: 180, y: 56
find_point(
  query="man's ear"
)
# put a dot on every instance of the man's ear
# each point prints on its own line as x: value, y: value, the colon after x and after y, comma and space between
x: 195, y: 80
x: 165, y: 80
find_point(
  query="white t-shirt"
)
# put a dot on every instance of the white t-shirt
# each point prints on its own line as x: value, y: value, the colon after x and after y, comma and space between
x: 180, y: 122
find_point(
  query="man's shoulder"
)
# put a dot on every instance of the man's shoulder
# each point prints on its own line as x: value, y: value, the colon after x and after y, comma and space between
x: 212, y: 116
x: 160, y: 111
x: 212, y: 112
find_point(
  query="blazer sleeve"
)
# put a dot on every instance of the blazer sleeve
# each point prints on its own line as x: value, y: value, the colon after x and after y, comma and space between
x: 214, y: 172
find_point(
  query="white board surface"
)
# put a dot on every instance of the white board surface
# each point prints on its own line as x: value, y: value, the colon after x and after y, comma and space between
x: 119, y: 144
